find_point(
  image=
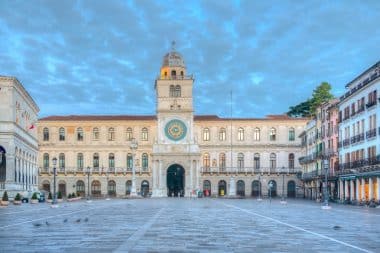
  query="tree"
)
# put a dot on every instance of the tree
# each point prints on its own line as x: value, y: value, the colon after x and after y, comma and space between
x: 308, y: 108
x: 320, y: 95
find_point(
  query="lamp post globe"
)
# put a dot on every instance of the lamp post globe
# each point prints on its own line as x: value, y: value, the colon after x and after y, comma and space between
x: 133, y: 146
x: 54, y: 181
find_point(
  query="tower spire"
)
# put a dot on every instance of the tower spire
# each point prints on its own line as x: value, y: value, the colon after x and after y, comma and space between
x: 173, y: 45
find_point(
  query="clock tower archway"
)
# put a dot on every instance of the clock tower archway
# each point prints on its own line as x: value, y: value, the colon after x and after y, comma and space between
x: 175, y: 143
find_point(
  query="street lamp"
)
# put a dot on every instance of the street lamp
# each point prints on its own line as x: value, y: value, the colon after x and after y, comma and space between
x: 88, y: 182
x: 283, y: 186
x: 326, y: 195
x: 133, y: 146
x: 270, y: 191
x: 54, y: 186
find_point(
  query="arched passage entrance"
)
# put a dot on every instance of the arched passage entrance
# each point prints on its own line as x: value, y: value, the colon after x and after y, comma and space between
x: 3, y: 166
x: 175, y: 179
x: 291, y: 189
x: 222, y: 188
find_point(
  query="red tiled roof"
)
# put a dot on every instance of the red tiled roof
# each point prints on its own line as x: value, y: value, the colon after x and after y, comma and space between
x: 98, y: 117
x: 154, y: 117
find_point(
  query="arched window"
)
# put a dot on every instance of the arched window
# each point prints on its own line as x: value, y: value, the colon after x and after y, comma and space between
x: 46, y: 134
x: 144, y: 134
x: 144, y: 161
x: 172, y: 91
x: 61, y: 134
x: 95, y: 161
x: 79, y: 134
x: 111, y: 161
x: 177, y: 91
x: 111, y: 134
x: 174, y: 73
x: 95, y: 133
x: 222, y: 161
x: 206, y: 134
x: 291, y: 134
x: 61, y: 161
x: 129, y: 134
x: 129, y: 161
x: 241, y: 134
x: 272, y: 134
x: 80, y: 161
x: 46, y: 161
x: 256, y: 161
x: 183, y: 74
x: 222, y: 134
x: 256, y: 134
x: 291, y: 161
x: 240, y: 161
x: 206, y: 160
x: 272, y: 161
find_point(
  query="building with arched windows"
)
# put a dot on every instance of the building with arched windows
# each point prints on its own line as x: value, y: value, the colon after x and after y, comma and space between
x: 18, y: 138
x: 177, y: 152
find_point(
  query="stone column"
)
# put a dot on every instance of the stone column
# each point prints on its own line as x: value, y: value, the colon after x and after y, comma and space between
x: 161, y: 179
x: 363, y: 191
x: 341, y: 192
x: 357, y: 197
x: 346, y: 189
x: 155, y: 175
x: 191, y: 186
x: 197, y: 168
x: 370, y: 188
x: 351, y: 190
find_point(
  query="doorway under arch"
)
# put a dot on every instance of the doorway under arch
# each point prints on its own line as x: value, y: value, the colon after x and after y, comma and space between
x: 206, y: 188
x: 3, y: 165
x: 291, y: 189
x: 145, y: 188
x: 222, y: 188
x: 240, y: 188
x: 175, y: 180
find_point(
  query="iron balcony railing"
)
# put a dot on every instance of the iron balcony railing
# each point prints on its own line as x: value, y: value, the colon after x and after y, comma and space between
x: 370, y: 133
x: 103, y: 170
x: 249, y: 170
x: 357, y: 138
x: 360, y: 163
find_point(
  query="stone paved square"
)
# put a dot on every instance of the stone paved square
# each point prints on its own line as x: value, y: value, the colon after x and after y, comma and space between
x: 189, y: 225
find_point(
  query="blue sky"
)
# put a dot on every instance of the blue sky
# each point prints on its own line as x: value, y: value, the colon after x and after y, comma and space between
x: 102, y: 57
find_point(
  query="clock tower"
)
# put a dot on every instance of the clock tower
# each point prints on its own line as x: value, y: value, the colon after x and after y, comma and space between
x: 175, y: 150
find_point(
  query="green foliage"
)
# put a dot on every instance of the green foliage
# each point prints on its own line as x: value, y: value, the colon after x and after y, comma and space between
x: 5, y: 196
x: 69, y: 196
x: 34, y: 196
x: 320, y: 95
x: 59, y: 195
x: 50, y: 196
x: 308, y: 108
x: 18, y: 197
x: 73, y: 195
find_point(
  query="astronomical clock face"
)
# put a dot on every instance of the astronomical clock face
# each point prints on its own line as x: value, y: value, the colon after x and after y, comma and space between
x: 175, y: 130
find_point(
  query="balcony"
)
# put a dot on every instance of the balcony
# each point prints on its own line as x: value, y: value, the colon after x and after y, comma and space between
x: 346, y: 142
x: 360, y: 109
x: 370, y: 104
x: 357, y: 138
x: 371, y: 133
x: 360, y: 164
x: 96, y: 170
x: 248, y: 170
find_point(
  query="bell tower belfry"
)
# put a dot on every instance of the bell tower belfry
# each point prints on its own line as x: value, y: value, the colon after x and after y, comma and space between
x: 174, y: 92
x: 175, y: 146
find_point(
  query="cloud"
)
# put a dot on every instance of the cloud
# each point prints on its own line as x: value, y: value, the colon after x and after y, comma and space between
x: 102, y: 58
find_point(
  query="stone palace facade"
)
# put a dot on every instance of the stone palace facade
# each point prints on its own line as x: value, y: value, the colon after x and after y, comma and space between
x: 173, y: 153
